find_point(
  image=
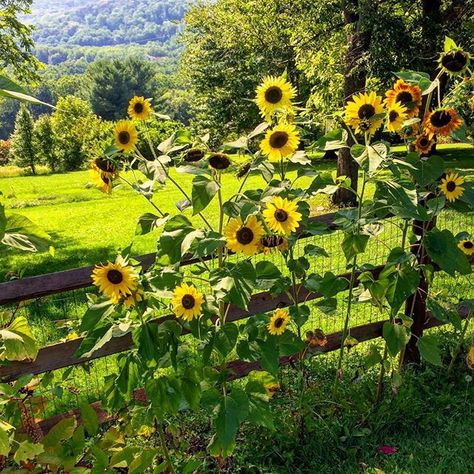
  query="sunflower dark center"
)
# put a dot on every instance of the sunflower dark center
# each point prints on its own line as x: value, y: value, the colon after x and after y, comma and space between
x: 281, y: 215
x: 138, y: 107
x: 450, y: 186
x: 244, y: 235
x: 440, y: 118
x: 366, y: 111
x: 454, y: 61
x: 219, y: 161
x: 271, y: 241
x: 188, y: 301
x: 468, y: 244
x: 278, y: 322
x: 124, y: 137
x: 194, y: 155
x: 115, y: 277
x: 105, y: 165
x: 273, y: 95
x: 424, y: 142
x: 404, y: 97
x: 278, y: 139
x: 393, y: 115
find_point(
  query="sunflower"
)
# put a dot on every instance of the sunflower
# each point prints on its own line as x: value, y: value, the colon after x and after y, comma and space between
x: 350, y: 342
x: 282, y: 216
x: 423, y: 144
x: 397, y: 114
x: 409, y: 96
x: 115, y: 280
x: 126, y: 136
x: 451, y: 186
x: 140, y: 108
x: 280, y: 142
x: 467, y: 246
x: 275, y: 93
x: 442, y: 121
x: 193, y: 155
x: 103, y: 172
x: 133, y: 298
x: 187, y: 302
x: 278, y: 322
x: 243, y: 238
x: 219, y: 161
x: 454, y: 62
x: 362, y: 111
x: 243, y: 170
x: 410, y: 131
x: 273, y: 243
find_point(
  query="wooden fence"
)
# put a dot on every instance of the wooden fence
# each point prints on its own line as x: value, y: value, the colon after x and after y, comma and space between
x: 61, y: 355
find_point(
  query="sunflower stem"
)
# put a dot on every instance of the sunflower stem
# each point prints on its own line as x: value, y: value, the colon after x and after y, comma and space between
x: 459, y: 345
x: 164, y: 447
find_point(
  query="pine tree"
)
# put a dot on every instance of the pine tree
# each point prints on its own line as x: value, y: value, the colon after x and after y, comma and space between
x: 45, y: 142
x: 23, y: 148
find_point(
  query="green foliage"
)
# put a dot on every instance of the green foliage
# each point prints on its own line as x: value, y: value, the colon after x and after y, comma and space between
x: 23, y: 149
x: 45, y: 145
x: 16, y: 43
x: 114, y: 83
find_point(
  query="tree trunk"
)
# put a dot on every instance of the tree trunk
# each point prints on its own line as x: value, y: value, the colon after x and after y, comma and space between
x: 358, y: 42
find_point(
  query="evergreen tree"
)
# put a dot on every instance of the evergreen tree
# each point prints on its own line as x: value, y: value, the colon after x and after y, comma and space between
x: 114, y: 83
x: 23, y: 148
x: 45, y: 143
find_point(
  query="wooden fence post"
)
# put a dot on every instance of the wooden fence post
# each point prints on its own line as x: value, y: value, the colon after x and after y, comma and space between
x: 416, y: 304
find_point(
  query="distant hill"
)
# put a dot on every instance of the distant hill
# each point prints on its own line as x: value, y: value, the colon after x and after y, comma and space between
x: 106, y: 22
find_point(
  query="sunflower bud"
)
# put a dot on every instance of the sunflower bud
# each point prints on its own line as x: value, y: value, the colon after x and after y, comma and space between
x: 219, y: 161
x: 243, y: 170
x: 193, y: 155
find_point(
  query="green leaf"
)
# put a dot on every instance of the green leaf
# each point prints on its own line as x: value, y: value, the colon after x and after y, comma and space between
x: 232, y: 410
x: 329, y: 285
x: 333, y: 140
x: 429, y: 349
x: 269, y: 354
x: 226, y: 338
x: 8, y: 88
x: 449, y: 44
x: 94, y: 314
x: 62, y: 431
x: 27, y: 450
x: 148, y: 222
x: 17, y: 341
x: 442, y: 248
x: 425, y: 171
x: 395, y: 336
x: 267, y: 271
x: 235, y: 283
x: 169, y: 243
x: 354, y: 244
x: 403, y: 283
x: 89, y: 418
x: 143, y: 461
x: 23, y: 234
x: 315, y: 251
x: 445, y: 315
x: 204, y: 189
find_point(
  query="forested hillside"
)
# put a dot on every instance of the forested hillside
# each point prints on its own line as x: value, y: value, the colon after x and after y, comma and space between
x: 105, y: 22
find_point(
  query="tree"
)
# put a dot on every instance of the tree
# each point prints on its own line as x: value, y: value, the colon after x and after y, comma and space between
x: 16, y: 43
x: 5, y: 147
x: 45, y: 143
x: 79, y: 133
x: 23, y: 148
x: 114, y: 83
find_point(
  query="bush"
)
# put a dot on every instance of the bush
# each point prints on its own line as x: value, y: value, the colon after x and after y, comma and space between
x: 5, y: 148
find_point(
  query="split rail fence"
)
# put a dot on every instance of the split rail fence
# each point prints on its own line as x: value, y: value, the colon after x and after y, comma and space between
x: 60, y: 355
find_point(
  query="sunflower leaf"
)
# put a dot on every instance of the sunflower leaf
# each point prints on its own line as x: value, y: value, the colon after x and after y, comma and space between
x: 203, y: 191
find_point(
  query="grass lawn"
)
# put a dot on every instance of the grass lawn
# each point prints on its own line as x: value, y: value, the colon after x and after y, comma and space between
x: 88, y: 226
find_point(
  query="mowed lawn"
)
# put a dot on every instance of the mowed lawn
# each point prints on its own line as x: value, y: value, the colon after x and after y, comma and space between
x: 88, y: 227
